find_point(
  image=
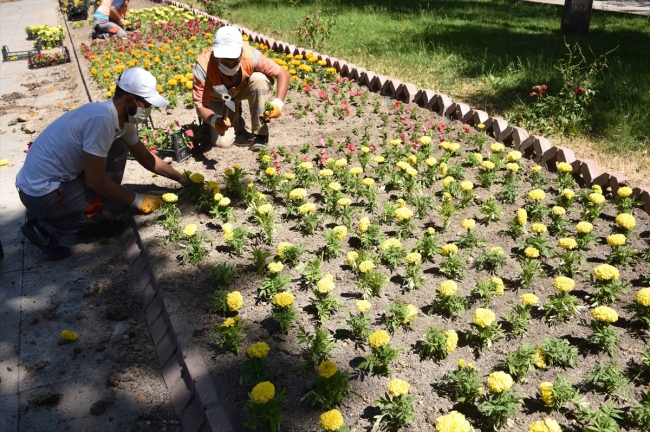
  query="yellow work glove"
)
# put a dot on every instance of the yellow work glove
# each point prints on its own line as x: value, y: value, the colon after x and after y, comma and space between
x: 276, y: 112
x: 220, y: 124
x: 146, y: 203
x: 126, y: 23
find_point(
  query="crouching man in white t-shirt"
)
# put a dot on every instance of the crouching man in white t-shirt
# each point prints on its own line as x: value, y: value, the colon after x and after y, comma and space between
x: 72, y: 176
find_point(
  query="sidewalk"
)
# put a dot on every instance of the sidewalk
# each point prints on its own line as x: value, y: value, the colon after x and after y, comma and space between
x: 637, y: 7
x: 107, y: 380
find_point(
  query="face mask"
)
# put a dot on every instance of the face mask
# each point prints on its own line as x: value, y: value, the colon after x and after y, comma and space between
x: 140, y: 116
x: 228, y: 71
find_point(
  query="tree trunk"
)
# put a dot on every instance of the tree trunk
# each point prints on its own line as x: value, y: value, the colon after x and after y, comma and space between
x: 576, y: 16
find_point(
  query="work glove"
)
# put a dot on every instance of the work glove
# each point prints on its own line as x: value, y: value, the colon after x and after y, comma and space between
x: 276, y: 111
x: 220, y: 124
x: 146, y: 203
x: 126, y: 23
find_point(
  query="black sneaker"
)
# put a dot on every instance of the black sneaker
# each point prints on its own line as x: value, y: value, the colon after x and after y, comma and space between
x: 43, y: 240
x: 259, y: 142
x: 243, y: 138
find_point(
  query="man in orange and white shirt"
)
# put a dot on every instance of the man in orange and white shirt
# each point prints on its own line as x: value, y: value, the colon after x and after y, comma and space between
x: 232, y: 71
x: 109, y: 18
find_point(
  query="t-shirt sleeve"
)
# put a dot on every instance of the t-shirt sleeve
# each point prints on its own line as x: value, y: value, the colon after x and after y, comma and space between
x: 117, y: 4
x: 267, y: 67
x: 97, y: 135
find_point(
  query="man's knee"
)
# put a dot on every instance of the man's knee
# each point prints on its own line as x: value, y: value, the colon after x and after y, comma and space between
x: 259, y: 81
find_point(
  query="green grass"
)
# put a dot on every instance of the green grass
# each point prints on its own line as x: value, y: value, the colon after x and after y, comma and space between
x: 487, y: 53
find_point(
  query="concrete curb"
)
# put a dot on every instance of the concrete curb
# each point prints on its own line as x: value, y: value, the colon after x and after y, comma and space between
x: 585, y: 171
x: 191, y: 389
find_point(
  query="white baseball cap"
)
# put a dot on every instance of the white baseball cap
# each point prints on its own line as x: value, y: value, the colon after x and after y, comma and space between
x: 227, y: 43
x: 140, y: 82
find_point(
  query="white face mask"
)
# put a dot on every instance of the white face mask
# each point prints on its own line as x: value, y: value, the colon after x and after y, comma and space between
x: 140, y: 116
x: 229, y: 71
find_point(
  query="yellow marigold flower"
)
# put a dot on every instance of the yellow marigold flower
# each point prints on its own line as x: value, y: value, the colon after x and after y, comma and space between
x: 431, y: 231
x: 412, y: 172
x: 351, y: 258
x: 584, y: 227
x: 395, y: 142
x: 306, y: 166
x: 400, y: 202
x: 488, y: 165
x: 189, y: 230
x: 536, y: 195
x: 497, y: 250
x: 449, y: 249
x: 189, y: 85
x: 363, y: 306
x: 453, y: 422
x: 170, y: 197
x: 297, y: 194
x: 197, y: 178
x: 451, y: 340
x: 466, y: 186
x: 325, y: 285
x: 270, y: 171
x: 514, y: 156
x: 529, y: 299
x: 564, y: 284
x: 604, y: 314
x: 484, y: 317
x: 546, y: 425
x: 412, y: 312
x: 224, y: 202
x: 218, y: 197
x: 536, y: 169
x: 379, y: 159
x: 447, y: 181
x: 326, y: 369
x: 356, y: 170
x: 425, y: 140
x: 499, y: 382
x: 264, y: 209
x: 368, y: 181
x: 512, y: 167
x: 389, y: 243
x: 461, y: 363
x: 539, y: 357
x: 564, y: 167
x: 288, y: 176
x: 442, y: 168
x: 283, y: 246
x: 606, y: 272
x: 283, y: 299
x: 558, y: 211
x: 403, y: 213
x: 500, y: 287
x: 228, y: 172
x: 275, y: 267
x: 531, y: 252
x: 568, y: 194
x: 398, y: 387
x: 258, y: 350
x: 334, y: 186
x: 596, y: 188
x: 364, y: 224
x: 365, y: 149
x: 430, y: 161
x: 596, y: 198
x: 538, y: 228
x: 263, y: 392
x: 214, y: 186
x: 343, y: 202
x: 624, y: 192
x: 266, y: 158
x: 448, y: 288
x: 340, y: 231
x: 413, y: 258
x: 331, y: 420
x: 497, y: 148
x: 366, y: 266
x: 546, y: 391
x: 340, y: 163
x: 616, y: 240
x: 626, y: 220
x: 378, y: 339
x: 567, y: 243
x: 307, y: 208
x: 412, y: 159
x: 235, y: 301
x: 228, y: 322
x: 522, y: 217
x: 69, y: 335
x: 643, y: 297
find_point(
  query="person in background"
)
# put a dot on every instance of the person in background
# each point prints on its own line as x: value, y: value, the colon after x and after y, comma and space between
x: 72, y: 176
x: 109, y: 19
x: 234, y: 71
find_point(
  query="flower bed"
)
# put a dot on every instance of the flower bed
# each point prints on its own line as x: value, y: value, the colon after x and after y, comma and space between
x: 37, y: 61
x: 457, y: 277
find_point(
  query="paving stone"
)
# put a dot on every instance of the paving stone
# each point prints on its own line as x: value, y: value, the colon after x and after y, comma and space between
x: 346, y: 70
x: 367, y: 78
x: 637, y: 192
x: 194, y: 417
x: 218, y: 419
x: 181, y: 394
x: 616, y: 181
x: 9, y: 413
x: 390, y: 87
x: 150, y: 292
x: 589, y: 171
x: 378, y: 82
x: 565, y: 154
x: 166, y: 348
x: 443, y: 105
x: 204, y: 388
x: 497, y: 127
x: 601, y: 180
x: 541, y: 145
x: 158, y: 330
x: 288, y: 48
x: 462, y: 111
x: 10, y: 358
x: 331, y: 61
x: 357, y: 73
x: 154, y: 310
x: 12, y: 246
x: 173, y: 370
x: 406, y: 92
x: 423, y: 97
x: 479, y: 117
x: 10, y: 296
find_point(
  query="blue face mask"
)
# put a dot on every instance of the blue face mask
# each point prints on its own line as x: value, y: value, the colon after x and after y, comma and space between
x: 229, y: 71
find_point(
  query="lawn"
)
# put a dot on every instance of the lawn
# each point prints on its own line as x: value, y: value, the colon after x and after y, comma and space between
x: 486, y: 53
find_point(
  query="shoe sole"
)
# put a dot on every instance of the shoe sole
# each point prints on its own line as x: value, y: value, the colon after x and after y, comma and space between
x: 36, y: 241
x: 257, y: 147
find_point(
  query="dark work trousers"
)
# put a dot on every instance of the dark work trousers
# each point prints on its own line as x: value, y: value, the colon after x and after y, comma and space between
x: 73, y: 206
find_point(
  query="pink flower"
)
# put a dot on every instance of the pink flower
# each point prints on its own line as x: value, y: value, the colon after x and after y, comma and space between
x: 189, y: 133
x: 177, y: 122
x: 321, y: 142
x: 441, y: 127
x: 323, y: 157
x: 466, y: 129
x: 345, y: 105
x: 145, y: 139
x: 350, y: 148
x: 579, y: 90
x: 532, y: 94
x: 322, y: 95
x: 373, y: 148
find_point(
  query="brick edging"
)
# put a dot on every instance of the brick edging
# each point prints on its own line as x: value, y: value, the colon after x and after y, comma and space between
x: 586, y: 172
x: 191, y: 389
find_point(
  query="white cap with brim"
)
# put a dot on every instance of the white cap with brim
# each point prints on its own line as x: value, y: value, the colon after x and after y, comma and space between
x: 227, y: 43
x: 139, y: 82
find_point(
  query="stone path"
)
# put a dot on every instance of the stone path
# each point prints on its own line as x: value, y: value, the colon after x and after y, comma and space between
x: 107, y: 380
x: 637, y: 7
